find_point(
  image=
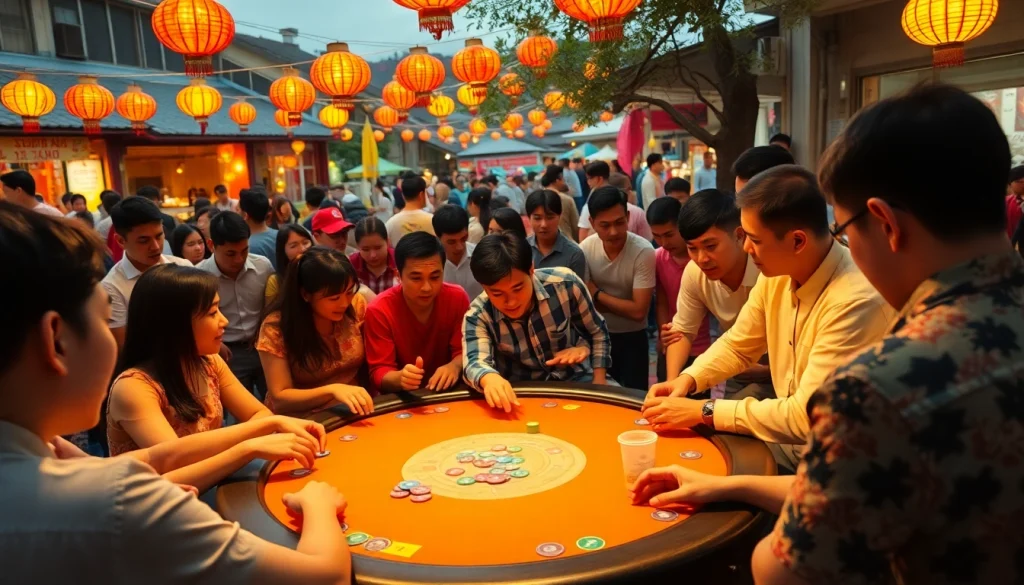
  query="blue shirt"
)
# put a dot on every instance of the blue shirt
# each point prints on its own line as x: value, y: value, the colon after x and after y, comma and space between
x: 563, y: 316
x: 265, y: 244
x: 565, y: 253
x: 458, y: 197
x: 572, y: 181
x: 705, y: 179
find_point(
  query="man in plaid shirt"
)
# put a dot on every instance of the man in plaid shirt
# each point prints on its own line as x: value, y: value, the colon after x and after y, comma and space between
x: 531, y: 324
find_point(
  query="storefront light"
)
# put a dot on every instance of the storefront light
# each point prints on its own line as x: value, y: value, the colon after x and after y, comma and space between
x: 447, y: 156
x: 239, y: 167
x: 280, y: 170
x: 229, y: 177
x: 181, y: 169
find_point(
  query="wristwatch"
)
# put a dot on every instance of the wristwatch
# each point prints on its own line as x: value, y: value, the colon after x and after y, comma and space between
x: 707, y: 413
x: 596, y: 293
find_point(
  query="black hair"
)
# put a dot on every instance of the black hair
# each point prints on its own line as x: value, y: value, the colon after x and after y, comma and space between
x: 786, y: 198
x: 546, y: 199
x: 450, y: 219
x: 499, y: 202
x: 1016, y: 173
x: 369, y: 226
x: 219, y: 189
x: 604, y: 198
x: 760, y: 158
x: 314, y: 197
x: 200, y: 204
x: 481, y: 197
x: 20, y: 179
x: 489, y: 180
x: 598, y: 168
x: 497, y: 255
x: 209, y: 210
x: 158, y: 336
x: 551, y: 174
x: 180, y: 234
x: 707, y: 209
x: 664, y: 210
x: 149, y: 192
x: 509, y: 220
x: 281, y: 243
x: 56, y: 265
x: 653, y: 159
x: 783, y: 138
x: 255, y: 204
x: 85, y: 216
x: 228, y: 227
x: 317, y: 270
x: 329, y: 203
x: 76, y: 197
x: 418, y: 246
x: 875, y: 155
x: 108, y: 199
x: 413, y: 186
x: 66, y: 198
x: 577, y: 160
x: 132, y: 212
x: 676, y: 185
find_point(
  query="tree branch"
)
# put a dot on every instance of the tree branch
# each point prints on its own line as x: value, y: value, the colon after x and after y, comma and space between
x: 689, y: 124
x: 682, y: 70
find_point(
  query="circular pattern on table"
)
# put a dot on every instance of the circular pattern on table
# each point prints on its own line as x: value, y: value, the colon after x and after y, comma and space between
x: 547, y: 463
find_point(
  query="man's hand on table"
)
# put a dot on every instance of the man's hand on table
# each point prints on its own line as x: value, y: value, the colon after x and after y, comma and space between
x: 569, y: 357
x: 498, y: 392
x: 675, y: 484
x: 681, y: 386
x: 444, y: 378
x: 672, y: 414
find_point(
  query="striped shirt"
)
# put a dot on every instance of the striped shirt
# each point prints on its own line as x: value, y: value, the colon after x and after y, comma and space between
x: 563, y: 316
x: 377, y: 284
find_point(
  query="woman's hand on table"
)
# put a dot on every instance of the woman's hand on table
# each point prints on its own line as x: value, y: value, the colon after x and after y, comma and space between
x: 357, y: 399
x: 311, y: 430
x: 675, y: 484
x: 445, y: 377
x: 280, y: 446
x: 313, y: 495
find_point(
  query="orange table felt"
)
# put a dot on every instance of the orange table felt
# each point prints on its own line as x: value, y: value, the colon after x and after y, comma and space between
x: 463, y: 532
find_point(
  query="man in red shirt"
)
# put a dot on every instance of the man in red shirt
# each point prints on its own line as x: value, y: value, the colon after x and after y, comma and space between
x: 413, y: 332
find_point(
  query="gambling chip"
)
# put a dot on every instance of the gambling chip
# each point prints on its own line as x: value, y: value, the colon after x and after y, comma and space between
x: 421, y: 499
x: 357, y: 538
x: 664, y: 515
x: 642, y: 422
x: 485, y: 455
x: 484, y: 463
x: 465, y: 459
x: 404, y: 415
x: 465, y: 481
x: 377, y: 544
x: 691, y: 454
x: 441, y: 409
x: 495, y: 479
x: 498, y: 448
x: 590, y: 543
x: 301, y: 472
x: 550, y: 404
x: 553, y: 450
x: 511, y: 467
x: 323, y: 454
x: 497, y: 470
x: 550, y: 549
x: 519, y: 473
x: 455, y: 471
x: 480, y: 478
x: 514, y: 449
x: 349, y: 438
x: 518, y: 460
x: 408, y: 485
x: 420, y: 490
x: 505, y: 459
x: 399, y: 494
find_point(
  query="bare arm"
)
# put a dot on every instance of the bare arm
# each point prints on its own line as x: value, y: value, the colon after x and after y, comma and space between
x: 236, y: 398
x: 135, y: 405
x: 765, y: 492
x: 285, y: 397
x: 676, y: 356
x: 635, y: 308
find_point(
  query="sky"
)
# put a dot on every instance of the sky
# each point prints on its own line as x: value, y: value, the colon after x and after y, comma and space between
x: 375, y: 33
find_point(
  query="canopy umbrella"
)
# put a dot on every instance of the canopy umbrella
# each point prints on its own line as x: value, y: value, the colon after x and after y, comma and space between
x: 371, y: 159
x: 584, y: 150
x: 385, y: 168
x: 606, y: 154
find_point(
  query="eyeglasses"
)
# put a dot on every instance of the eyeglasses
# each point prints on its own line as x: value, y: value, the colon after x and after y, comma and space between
x: 837, y: 229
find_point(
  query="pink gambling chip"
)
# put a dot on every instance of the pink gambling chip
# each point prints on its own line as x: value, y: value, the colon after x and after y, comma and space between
x: 498, y: 448
x: 496, y: 479
x: 553, y: 450
x: 465, y: 459
x: 484, y: 463
x: 399, y: 494
x: 550, y: 549
x: 441, y: 409
x: 481, y: 477
x: 420, y: 490
x: 421, y: 499
x: 348, y: 438
x: 455, y: 471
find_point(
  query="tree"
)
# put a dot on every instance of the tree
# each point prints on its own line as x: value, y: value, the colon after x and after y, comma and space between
x: 349, y: 154
x: 652, y: 53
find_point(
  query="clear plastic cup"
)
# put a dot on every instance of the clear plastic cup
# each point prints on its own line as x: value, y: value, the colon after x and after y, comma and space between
x: 638, y: 451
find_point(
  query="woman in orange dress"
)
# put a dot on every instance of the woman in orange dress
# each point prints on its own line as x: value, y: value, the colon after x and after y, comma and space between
x: 311, y: 342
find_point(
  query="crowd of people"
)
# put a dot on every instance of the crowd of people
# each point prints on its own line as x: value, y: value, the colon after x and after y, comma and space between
x: 879, y: 356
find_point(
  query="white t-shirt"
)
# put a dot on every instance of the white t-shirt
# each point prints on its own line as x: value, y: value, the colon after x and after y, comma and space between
x: 633, y: 268
x: 699, y: 295
x: 120, y: 282
x: 384, y: 207
x: 47, y: 209
x: 408, y: 221
x: 649, y: 188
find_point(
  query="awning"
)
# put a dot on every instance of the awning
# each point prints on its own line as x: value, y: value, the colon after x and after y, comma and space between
x: 386, y: 168
x: 582, y: 151
x: 606, y: 153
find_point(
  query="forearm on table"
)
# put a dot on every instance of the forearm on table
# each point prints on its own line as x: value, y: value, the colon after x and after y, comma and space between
x: 390, y: 381
x: 767, y: 492
x: 210, y: 471
x: 171, y: 455
x: 676, y: 356
x: 295, y: 400
x: 600, y: 375
x: 322, y: 537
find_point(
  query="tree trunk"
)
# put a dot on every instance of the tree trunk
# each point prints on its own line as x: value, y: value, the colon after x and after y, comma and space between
x: 740, y: 104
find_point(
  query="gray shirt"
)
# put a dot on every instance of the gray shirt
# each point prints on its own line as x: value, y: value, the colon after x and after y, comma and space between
x: 241, y: 298
x: 265, y: 244
x: 633, y: 268
x: 565, y: 253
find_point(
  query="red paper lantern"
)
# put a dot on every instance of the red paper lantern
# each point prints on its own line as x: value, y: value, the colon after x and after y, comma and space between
x: 292, y: 94
x: 29, y: 99
x: 284, y: 120
x: 420, y: 73
x: 136, y: 107
x: 198, y: 29
x: 470, y: 99
x: 476, y: 65
x: 242, y: 113
x: 435, y: 15
x: 386, y: 117
x: 340, y: 74
x: 89, y: 101
x: 604, y: 17
x: 398, y: 97
x: 536, y: 52
x: 511, y: 85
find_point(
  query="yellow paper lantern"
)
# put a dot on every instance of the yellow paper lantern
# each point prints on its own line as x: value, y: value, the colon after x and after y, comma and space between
x: 200, y: 101
x: 477, y: 127
x: 445, y: 132
x: 554, y: 101
x: 346, y: 134
x: 471, y: 98
x: 334, y: 117
x: 441, y: 106
x: 29, y: 99
x: 298, y: 147
x: 945, y: 25
x: 536, y: 117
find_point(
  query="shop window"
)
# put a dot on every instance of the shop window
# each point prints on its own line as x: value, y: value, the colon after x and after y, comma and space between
x: 239, y: 77
x: 260, y: 84
x: 97, y: 31
x: 67, y: 29
x: 152, y: 46
x: 15, y: 32
x: 126, y: 39
x: 174, y: 61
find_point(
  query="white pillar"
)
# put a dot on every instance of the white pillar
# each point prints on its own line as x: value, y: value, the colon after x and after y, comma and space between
x: 798, y: 106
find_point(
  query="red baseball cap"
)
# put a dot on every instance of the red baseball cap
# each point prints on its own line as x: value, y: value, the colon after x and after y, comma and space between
x: 330, y: 221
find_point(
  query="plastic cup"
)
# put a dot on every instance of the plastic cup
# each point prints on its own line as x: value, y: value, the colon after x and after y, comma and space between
x: 638, y: 451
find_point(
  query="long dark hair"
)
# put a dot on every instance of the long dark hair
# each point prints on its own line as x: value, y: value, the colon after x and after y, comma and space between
x: 180, y: 234
x: 317, y: 270
x: 509, y: 220
x: 286, y: 230
x: 159, y: 338
x: 481, y: 197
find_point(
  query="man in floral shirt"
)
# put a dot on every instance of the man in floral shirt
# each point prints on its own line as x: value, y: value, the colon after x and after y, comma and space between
x: 914, y: 467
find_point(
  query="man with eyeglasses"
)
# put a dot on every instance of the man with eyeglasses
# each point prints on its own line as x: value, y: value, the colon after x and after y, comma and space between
x: 812, y: 309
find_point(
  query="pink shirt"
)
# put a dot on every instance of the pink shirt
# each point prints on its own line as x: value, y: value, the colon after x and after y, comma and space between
x: 394, y: 337
x: 669, y: 276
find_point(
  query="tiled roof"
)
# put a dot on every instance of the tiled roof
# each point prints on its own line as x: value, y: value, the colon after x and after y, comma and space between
x: 273, y: 50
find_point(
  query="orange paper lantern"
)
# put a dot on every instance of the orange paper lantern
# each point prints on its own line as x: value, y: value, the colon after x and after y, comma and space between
x: 242, y: 113
x: 398, y: 97
x: 290, y: 162
x: 424, y: 135
x: 334, y: 117
x: 536, y: 52
x: 604, y: 17
x: 476, y: 65
x: 340, y: 74
x: 435, y: 16
x: 536, y: 117
x: 470, y: 99
x: 495, y: 135
x: 346, y: 134
x: 445, y: 132
x: 464, y: 138
x: 386, y: 116
x: 515, y: 120
x: 520, y: 133
x: 554, y: 101
x: 547, y: 124
x: 284, y: 120
x: 198, y: 29
x: 136, y: 107
x: 408, y: 135
x: 477, y: 127
x: 420, y: 73
x: 200, y: 101
x: 511, y: 85
x: 539, y: 131
x: 292, y: 94
x: 945, y: 25
x: 29, y: 99
x: 378, y: 135
x: 607, y: 116
x: 89, y: 101
x: 441, y: 106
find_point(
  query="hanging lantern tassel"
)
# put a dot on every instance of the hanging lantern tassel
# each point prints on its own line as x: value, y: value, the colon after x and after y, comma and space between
x: 203, y: 123
x: 948, y: 55
x: 606, y: 29
x: 436, y: 21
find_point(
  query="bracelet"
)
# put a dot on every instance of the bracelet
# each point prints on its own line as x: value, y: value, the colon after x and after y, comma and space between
x: 596, y: 293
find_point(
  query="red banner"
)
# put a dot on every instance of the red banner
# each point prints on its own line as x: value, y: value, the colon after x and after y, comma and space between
x: 661, y: 121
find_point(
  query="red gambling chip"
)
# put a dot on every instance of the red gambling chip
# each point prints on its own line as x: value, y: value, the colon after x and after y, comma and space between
x: 484, y: 462
x: 420, y: 490
x: 481, y: 477
x: 465, y: 459
x: 455, y: 471
x: 496, y: 479
x: 399, y: 494
x: 421, y: 499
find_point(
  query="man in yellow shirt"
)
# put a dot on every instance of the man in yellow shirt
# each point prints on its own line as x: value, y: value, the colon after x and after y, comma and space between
x: 811, y: 310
